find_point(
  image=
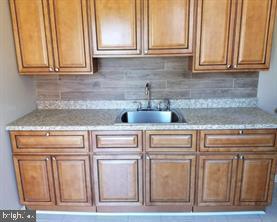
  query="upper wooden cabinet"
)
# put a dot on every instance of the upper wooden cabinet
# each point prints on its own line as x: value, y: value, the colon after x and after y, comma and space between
x: 116, y: 27
x: 233, y: 35
x: 168, y: 26
x: 51, y: 36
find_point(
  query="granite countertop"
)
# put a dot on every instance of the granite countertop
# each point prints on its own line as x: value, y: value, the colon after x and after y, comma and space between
x: 104, y: 119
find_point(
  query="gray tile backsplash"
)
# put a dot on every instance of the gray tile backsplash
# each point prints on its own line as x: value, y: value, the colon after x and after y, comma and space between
x: 124, y: 78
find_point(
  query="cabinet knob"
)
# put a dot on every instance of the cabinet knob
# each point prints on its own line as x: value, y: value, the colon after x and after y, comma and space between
x: 47, y: 134
x: 51, y: 69
x: 56, y: 69
x: 53, y: 158
x: 241, y: 132
x: 145, y: 51
x: 229, y: 66
x: 241, y: 157
x: 235, y: 66
x: 235, y: 157
x: 147, y: 157
x: 46, y: 158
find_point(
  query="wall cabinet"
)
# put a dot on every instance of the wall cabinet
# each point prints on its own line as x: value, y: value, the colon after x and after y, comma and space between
x: 51, y: 36
x: 53, y: 180
x: 233, y: 35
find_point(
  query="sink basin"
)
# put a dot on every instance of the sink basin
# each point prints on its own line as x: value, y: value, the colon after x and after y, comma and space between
x: 150, y: 116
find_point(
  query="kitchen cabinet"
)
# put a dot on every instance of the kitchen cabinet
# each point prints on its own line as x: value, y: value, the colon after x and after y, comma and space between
x: 168, y: 26
x: 118, y: 180
x: 68, y: 184
x: 170, y: 179
x: 116, y: 27
x: 216, y: 180
x: 34, y: 180
x: 51, y: 36
x: 233, y: 35
x: 255, y: 179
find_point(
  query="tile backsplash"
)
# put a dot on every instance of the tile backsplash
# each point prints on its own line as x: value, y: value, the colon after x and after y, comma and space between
x: 125, y: 78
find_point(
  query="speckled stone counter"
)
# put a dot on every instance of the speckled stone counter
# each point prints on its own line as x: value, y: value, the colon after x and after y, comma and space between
x: 104, y: 119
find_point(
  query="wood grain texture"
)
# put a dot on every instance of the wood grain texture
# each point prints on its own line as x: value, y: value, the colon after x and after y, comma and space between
x: 170, y: 180
x: 118, y: 180
x: 116, y: 27
x: 168, y: 26
x: 171, y: 140
x: 254, y: 30
x: 238, y: 140
x: 255, y: 179
x: 118, y: 141
x: 49, y: 142
x: 31, y: 28
x: 69, y: 26
x: 216, y: 180
x: 34, y: 180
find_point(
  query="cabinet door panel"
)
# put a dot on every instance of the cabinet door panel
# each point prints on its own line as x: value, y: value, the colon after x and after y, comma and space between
x: 216, y: 181
x: 118, y: 179
x: 214, y: 34
x: 69, y: 24
x: 168, y: 26
x: 254, y: 29
x: 72, y: 180
x: 170, y: 179
x: 116, y: 26
x: 32, y: 35
x: 34, y: 179
x: 255, y: 180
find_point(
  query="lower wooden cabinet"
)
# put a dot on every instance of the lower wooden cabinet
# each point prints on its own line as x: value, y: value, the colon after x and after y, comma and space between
x: 236, y: 180
x: 53, y: 180
x: 170, y: 179
x: 255, y: 180
x: 118, y: 179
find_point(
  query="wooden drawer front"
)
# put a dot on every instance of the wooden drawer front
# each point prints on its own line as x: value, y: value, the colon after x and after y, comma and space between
x: 54, y: 141
x: 171, y: 140
x: 103, y: 141
x: 238, y: 140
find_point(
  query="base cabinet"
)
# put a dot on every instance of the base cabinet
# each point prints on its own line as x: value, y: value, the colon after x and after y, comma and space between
x: 235, y: 180
x: 53, y: 180
x: 170, y: 179
x: 118, y: 180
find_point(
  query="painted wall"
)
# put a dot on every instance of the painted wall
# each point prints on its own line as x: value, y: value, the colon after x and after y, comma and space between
x: 267, y: 87
x: 17, y: 97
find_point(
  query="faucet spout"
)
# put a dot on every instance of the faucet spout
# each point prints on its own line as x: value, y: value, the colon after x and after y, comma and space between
x: 148, y: 93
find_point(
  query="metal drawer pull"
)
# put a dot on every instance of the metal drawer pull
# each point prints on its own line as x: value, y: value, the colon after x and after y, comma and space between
x: 241, y: 132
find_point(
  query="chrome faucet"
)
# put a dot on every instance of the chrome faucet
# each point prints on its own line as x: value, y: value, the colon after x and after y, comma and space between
x: 148, y: 93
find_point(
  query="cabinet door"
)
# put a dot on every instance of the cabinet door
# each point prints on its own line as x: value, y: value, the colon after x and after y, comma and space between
x: 254, y: 30
x: 34, y: 180
x: 255, y: 180
x: 170, y: 179
x: 72, y: 180
x: 69, y: 22
x: 116, y: 27
x: 214, y: 35
x: 32, y: 36
x: 168, y: 26
x: 216, y: 180
x: 118, y: 179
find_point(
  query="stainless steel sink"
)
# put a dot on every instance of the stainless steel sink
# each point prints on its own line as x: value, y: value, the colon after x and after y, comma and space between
x: 150, y: 116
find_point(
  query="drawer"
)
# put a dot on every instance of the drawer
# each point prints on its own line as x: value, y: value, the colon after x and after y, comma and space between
x: 108, y: 141
x: 238, y: 140
x: 171, y: 140
x: 53, y: 141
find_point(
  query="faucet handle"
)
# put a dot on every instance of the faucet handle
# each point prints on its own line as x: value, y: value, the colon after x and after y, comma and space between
x: 167, y: 104
x: 139, y: 107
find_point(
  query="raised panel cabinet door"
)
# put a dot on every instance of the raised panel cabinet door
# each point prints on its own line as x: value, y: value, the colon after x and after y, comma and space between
x: 69, y: 23
x: 118, y: 180
x: 116, y: 27
x: 170, y: 179
x: 168, y: 26
x: 72, y: 180
x: 254, y: 30
x: 32, y: 36
x: 216, y: 180
x: 255, y: 179
x: 214, y: 35
x: 34, y: 180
